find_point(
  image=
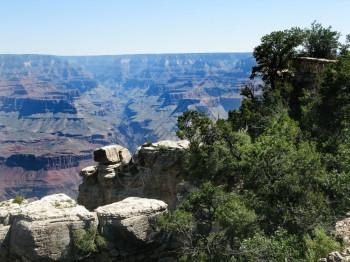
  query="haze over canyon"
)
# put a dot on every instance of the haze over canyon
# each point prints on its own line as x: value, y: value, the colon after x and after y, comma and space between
x: 55, y: 110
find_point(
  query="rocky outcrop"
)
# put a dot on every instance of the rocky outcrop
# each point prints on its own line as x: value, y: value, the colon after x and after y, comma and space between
x: 306, y: 71
x: 44, y: 230
x: 112, y: 154
x: 119, y: 196
x: 132, y: 224
x: 337, y: 256
x: 154, y: 171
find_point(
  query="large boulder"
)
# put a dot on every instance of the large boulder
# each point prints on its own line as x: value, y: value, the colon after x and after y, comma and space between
x: 112, y: 154
x: 9, y: 210
x: 160, y: 156
x: 43, y: 230
x: 132, y: 224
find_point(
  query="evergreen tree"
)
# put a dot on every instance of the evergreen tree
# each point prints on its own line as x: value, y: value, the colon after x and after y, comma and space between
x: 321, y: 42
x: 270, y: 186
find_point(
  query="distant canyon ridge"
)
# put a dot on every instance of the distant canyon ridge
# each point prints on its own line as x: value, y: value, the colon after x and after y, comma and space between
x: 55, y: 110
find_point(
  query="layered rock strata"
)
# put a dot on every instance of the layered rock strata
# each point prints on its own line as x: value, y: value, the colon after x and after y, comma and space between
x: 154, y: 171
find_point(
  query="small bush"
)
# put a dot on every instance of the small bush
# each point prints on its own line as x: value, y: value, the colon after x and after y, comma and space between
x: 18, y: 199
x: 162, y: 147
x: 320, y: 246
x: 147, y: 144
x: 88, y: 241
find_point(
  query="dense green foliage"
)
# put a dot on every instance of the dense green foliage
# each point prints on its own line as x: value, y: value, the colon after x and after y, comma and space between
x: 321, y: 42
x: 344, y: 48
x: 284, y: 170
x: 320, y: 245
x: 272, y: 183
x: 274, y: 54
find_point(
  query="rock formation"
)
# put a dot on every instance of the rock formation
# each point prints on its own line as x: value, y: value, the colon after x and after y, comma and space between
x: 306, y: 71
x: 44, y: 230
x: 115, y: 197
x: 132, y: 224
x: 154, y: 171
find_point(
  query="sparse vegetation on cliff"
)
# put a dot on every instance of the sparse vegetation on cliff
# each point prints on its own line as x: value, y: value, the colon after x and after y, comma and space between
x: 147, y: 144
x: 18, y: 200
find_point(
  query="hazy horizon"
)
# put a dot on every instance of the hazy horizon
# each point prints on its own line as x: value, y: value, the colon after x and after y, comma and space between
x: 189, y: 53
x: 95, y: 28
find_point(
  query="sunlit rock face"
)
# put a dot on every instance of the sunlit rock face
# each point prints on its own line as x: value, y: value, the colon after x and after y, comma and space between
x: 342, y: 231
x: 45, y: 230
x: 154, y: 171
x: 132, y: 224
x: 42, y: 230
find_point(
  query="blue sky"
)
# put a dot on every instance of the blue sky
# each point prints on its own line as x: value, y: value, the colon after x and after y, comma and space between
x: 101, y: 27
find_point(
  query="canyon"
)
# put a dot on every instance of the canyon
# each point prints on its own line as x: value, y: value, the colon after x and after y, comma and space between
x: 54, y: 111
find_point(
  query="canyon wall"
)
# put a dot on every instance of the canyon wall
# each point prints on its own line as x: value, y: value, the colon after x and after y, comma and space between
x: 55, y: 110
